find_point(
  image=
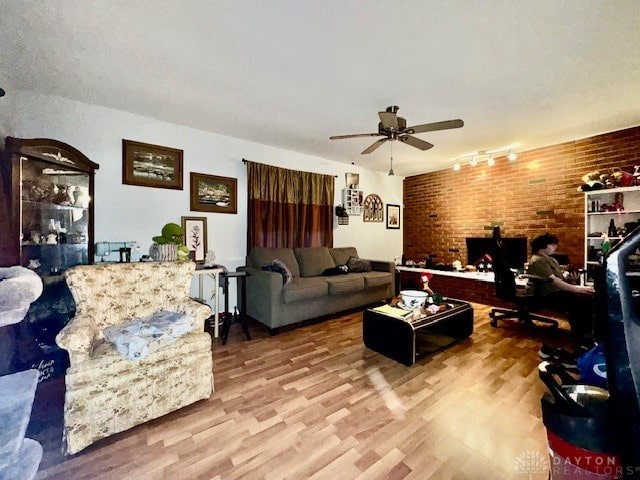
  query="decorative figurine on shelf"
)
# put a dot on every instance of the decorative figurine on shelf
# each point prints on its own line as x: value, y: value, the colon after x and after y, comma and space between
x: 77, y: 197
x: 52, y: 239
x: 209, y: 259
x: 618, y: 202
x: 34, y: 263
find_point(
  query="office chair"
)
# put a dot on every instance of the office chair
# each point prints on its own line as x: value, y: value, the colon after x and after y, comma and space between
x: 524, y: 300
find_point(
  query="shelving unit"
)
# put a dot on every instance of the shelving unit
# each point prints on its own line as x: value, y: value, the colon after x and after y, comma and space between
x: 353, y: 201
x: 598, y: 212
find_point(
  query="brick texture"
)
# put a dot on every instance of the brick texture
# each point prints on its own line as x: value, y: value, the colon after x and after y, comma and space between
x: 535, y: 194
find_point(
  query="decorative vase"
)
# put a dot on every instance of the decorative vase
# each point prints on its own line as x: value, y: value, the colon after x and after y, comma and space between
x: 164, y: 253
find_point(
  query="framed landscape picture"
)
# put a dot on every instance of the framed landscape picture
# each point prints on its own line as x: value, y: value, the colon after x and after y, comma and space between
x: 195, y: 236
x: 211, y: 193
x: 149, y: 165
x: 393, y: 216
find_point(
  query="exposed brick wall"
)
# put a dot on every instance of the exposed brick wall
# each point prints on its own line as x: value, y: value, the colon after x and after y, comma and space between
x: 535, y: 194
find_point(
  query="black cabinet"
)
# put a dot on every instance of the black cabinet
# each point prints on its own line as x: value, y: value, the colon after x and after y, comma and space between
x: 48, y: 189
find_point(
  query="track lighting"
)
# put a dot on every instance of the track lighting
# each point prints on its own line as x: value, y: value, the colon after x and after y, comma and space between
x: 489, y: 155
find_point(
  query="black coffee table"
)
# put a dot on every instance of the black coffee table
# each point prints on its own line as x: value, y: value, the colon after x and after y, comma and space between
x: 408, y: 341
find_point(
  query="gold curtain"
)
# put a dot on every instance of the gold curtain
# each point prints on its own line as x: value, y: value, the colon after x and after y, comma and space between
x: 288, y: 208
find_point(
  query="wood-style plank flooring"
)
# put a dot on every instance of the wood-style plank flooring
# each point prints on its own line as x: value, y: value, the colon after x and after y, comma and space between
x: 314, y: 403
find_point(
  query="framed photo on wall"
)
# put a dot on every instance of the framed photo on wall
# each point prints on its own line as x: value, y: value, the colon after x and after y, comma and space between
x: 149, y: 165
x: 195, y: 236
x: 393, y: 216
x: 353, y: 181
x: 211, y: 193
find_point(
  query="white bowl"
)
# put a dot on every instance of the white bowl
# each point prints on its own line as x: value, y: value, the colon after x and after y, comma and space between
x: 413, y: 298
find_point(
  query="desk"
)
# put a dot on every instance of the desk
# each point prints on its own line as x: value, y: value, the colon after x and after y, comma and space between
x: 468, y: 286
x: 213, y: 273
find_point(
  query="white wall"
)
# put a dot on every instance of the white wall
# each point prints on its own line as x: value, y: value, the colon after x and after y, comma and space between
x: 125, y: 212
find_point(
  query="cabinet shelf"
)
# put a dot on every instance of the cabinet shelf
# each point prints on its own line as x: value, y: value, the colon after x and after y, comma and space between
x: 53, y: 206
x: 615, y: 212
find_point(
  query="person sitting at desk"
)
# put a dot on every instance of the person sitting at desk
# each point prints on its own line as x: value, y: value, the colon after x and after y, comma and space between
x: 559, y: 293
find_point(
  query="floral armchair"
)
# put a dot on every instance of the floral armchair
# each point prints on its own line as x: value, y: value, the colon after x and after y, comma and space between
x: 107, y: 392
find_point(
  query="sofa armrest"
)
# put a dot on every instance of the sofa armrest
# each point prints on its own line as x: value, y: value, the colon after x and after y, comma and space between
x: 196, y: 310
x: 383, y: 266
x: 264, y: 281
x: 78, y: 338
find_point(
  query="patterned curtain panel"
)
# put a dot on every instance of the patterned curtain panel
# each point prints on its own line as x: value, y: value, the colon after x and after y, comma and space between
x: 288, y: 208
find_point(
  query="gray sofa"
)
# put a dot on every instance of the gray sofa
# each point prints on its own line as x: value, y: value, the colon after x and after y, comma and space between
x: 310, y: 294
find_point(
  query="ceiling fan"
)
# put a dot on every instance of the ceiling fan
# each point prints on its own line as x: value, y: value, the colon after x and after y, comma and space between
x: 393, y: 127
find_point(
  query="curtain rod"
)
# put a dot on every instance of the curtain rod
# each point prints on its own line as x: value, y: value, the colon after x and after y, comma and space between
x: 244, y: 160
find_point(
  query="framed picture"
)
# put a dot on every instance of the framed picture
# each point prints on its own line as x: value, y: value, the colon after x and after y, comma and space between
x: 151, y: 165
x: 195, y: 236
x: 353, y: 181
x: 393, y: 216
x: 210, y: 193
x: 373, y: 211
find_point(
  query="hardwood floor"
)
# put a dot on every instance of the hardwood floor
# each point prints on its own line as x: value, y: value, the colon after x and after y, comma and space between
x: 314, y: 403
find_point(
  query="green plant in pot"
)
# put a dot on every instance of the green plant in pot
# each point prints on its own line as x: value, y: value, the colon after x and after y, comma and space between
x: 168, y: 246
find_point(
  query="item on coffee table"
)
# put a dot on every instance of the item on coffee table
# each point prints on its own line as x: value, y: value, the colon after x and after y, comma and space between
x: 413, y: 298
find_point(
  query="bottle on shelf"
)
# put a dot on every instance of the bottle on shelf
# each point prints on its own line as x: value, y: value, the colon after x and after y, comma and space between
x: 612, y: 231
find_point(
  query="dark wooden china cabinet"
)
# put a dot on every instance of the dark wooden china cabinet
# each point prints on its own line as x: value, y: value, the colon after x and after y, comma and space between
x: 48, y: 189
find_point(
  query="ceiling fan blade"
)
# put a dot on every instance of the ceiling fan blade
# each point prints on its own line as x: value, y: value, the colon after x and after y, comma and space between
x: 415, y: 142
x: 389, y: 120
x: 355, y: 135
x: 373, y: 146
x: 432, y: 127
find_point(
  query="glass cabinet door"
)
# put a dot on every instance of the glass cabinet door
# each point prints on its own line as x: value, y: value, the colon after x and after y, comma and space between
x: 55, y: 217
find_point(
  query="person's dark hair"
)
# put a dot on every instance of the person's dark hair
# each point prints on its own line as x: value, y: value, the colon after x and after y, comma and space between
x: 542, y: 241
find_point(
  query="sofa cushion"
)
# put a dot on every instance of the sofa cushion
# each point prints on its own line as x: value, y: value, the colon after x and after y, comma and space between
x: 259, y: 256
x: 278, y: 267
x: 356, y: 264
x: 341, y: 254
x: 377, y: 279
x: 313, y: 260
x: 304, y: 289
x: 345, y: 284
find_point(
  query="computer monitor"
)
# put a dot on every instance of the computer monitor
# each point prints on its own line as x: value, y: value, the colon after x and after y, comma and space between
x: 515, y: 249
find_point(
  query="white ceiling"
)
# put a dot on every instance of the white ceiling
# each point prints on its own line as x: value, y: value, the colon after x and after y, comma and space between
x: 291, y: 73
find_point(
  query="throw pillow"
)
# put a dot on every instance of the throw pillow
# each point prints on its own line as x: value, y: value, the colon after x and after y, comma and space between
x: 356, y: 264
x: 278, y: 267
x: 139, y: 337
x: 339, y: 270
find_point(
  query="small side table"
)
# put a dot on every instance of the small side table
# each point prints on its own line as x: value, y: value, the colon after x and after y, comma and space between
x: 214, y: 273
x: 230, y: 319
